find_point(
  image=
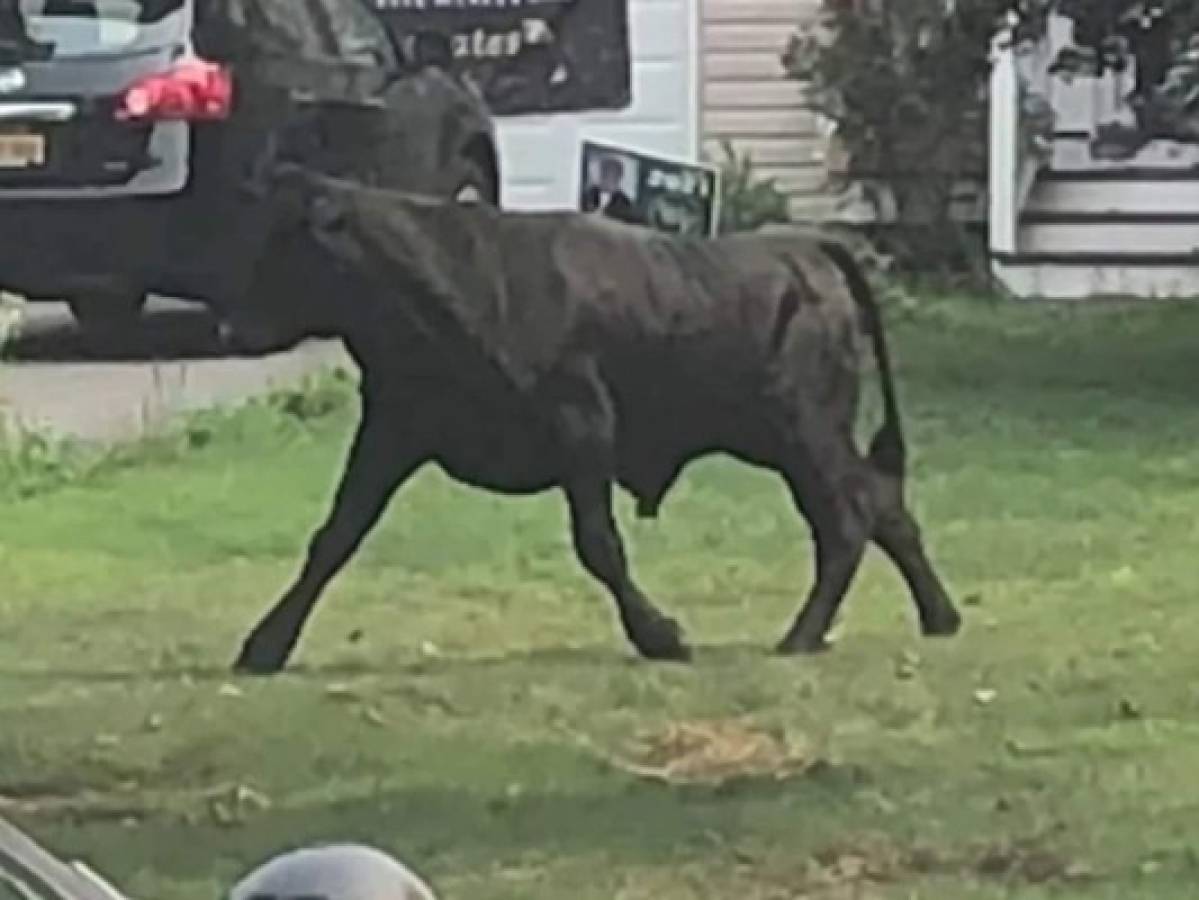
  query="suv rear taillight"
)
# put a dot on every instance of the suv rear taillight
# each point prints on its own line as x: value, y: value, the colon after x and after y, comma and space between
x: 193, y: 90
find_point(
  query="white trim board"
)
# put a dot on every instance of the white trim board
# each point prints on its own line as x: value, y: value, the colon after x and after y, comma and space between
x: 1058, y: 281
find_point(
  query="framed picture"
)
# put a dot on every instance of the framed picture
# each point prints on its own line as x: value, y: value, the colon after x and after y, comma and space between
x: 639, y: 188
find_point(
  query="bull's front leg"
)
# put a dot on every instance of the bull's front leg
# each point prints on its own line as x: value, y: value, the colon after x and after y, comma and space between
x: 601, y: 551
x: 587, y: 428
x: 380, y: 460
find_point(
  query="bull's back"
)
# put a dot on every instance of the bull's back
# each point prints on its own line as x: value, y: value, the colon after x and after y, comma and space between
x: 703, y: 341
x: 715, y: 309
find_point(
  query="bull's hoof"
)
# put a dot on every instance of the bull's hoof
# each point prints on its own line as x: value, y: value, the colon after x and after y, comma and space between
x: 259, y: 658
x: 945, y: 624
x: 661, y: 640
x: 799, y: 644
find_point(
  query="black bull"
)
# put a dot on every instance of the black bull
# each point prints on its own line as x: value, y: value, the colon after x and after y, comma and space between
x: 523, y: 352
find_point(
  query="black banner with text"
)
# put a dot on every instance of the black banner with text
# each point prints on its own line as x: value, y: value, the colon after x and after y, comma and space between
x: 527, y: 56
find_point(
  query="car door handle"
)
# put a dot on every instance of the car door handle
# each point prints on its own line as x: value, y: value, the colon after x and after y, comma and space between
x: 37, y: 112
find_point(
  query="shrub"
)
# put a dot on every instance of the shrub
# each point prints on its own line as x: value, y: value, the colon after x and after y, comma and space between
x: 903, y: 85
x: 747, y: 202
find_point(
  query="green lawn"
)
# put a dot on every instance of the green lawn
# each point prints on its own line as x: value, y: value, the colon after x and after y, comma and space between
x: 463, y: 698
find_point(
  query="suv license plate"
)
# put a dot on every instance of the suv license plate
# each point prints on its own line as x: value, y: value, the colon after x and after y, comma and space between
x: 21, y: 151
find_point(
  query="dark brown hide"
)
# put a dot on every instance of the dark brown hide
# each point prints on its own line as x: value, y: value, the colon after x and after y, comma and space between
x: 522, y: 352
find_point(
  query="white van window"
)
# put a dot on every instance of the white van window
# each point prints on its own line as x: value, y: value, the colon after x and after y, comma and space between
x: 90, y: 27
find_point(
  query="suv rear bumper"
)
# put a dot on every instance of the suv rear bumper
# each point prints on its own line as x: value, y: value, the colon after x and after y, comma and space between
x: 55, y: 248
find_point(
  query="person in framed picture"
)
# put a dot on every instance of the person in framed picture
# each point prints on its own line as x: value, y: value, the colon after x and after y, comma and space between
x: 608, y: 197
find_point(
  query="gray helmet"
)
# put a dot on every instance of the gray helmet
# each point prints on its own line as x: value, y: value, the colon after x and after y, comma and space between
x: 333, y: 872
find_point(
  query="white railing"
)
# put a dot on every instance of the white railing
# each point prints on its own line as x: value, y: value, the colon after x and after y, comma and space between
x: 1019, y: 108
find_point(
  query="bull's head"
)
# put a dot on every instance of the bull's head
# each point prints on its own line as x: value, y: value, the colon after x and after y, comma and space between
x: 298, y: 196
x: 317, y: 206
x: 301, y: 261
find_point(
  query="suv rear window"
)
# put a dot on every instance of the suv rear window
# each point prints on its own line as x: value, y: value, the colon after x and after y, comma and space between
x: 91, y: 27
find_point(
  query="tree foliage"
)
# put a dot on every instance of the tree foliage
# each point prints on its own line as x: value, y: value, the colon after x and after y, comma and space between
x: 903, y: 84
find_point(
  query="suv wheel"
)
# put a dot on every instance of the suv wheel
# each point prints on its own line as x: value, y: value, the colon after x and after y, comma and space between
x: 107, y: 312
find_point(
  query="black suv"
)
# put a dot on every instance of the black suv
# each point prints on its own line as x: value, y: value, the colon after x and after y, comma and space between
x: 129, y: 128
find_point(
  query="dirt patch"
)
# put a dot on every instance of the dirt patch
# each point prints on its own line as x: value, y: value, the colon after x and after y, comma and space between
x: 714, y: 752
x: 877, y: 860
x: 1030, y: 862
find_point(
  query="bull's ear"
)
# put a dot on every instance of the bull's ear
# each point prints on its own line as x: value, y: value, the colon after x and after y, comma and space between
x: 288, y: 190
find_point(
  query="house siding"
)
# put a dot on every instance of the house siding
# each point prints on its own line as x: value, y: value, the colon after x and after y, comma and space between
x: 748, y: 100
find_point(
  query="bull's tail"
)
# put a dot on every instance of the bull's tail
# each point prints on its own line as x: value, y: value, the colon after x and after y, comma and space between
x: 887, y: 450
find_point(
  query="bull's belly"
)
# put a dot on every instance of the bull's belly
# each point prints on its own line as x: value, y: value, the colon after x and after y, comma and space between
x: 667, y: 424
x: 514, y: 456
x: 521, y: 461
x: 662, y: 424
x: 498, y: 479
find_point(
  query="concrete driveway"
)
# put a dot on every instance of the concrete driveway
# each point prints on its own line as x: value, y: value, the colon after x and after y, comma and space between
x: 53, y: 380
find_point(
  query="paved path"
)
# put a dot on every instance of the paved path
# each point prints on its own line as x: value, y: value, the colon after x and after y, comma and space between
x: 52, y: 380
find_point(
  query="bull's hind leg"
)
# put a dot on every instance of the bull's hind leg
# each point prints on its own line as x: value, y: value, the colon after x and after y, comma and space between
x: 379, y: 462
x: 897, y: 533
x: 839, y: 514
x: 587, y: 429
